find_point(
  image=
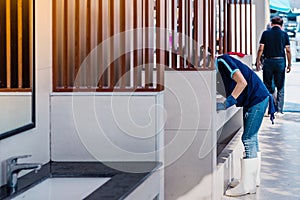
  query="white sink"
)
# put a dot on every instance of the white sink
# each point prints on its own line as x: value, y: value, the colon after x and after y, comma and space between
x: 62, y: 188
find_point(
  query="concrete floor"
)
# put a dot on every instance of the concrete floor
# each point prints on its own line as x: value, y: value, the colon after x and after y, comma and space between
x: 280, y: 147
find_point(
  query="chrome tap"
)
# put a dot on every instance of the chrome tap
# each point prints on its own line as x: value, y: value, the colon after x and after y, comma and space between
x: 13, y: 168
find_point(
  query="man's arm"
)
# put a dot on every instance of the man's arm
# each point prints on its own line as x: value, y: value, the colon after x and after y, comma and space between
x: 289, y: 58
x: 258, y: 57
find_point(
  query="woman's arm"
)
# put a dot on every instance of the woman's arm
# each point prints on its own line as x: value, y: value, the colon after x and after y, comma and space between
x: 241, y: 84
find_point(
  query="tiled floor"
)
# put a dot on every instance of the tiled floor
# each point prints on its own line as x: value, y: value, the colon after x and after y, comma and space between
x: 280, y: 147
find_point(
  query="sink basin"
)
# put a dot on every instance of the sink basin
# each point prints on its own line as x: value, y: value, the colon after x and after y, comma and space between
x: 63, y: 188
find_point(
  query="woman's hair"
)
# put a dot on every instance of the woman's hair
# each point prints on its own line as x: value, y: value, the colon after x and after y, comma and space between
x: 277, y: 20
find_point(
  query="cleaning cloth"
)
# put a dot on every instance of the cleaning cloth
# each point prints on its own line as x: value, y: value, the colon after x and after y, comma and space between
x: 272, y: 108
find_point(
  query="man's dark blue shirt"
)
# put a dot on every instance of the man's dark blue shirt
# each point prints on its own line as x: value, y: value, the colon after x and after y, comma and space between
x: 274, y: 41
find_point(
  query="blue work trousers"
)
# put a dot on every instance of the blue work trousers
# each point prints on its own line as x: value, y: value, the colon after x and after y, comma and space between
x: 274, y: 76
x: 253, y: 117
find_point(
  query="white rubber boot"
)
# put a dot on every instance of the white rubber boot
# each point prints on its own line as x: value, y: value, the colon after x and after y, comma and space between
x: 247, y: 184
x: 258, y: 169
x: 234, y: 182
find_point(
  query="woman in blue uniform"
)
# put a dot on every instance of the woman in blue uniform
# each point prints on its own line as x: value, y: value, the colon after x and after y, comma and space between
x: 245, y: 89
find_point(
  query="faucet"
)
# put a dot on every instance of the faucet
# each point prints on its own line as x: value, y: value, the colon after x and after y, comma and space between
x: 13, y: 168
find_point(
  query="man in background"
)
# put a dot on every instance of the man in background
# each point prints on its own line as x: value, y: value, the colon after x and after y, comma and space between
x: 275, y: 45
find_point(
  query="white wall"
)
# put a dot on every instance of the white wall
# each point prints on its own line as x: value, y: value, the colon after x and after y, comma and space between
x: 105, y: 127
x: 191, y: 135
x: 262, y: 18
x: 190, y: 138
x: 15, y: 110
x: 36, y: 141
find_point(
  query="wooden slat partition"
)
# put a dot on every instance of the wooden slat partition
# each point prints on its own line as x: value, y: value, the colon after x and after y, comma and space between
x: 189, y: 34
x: 186, y: 28
x: 16, y: 53
x: 237, y: 27
x: 110, y: 58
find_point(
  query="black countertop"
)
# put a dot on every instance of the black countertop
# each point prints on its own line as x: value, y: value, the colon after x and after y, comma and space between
x: 120, y: 185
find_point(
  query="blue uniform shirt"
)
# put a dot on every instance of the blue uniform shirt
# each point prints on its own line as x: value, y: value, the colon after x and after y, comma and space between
x: 275, y: 41
x: 255, y: 91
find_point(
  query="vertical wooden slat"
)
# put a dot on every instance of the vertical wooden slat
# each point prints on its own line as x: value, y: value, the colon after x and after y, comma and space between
x: 158, y: 36
x: 123, y: 42
x: 88, y: 43
x: 220, y: 28
x: 54, y: 45
x: 8, y: 45
x: 180, y: 31
x: 142, y: 43
x: 212, y: 31
x: 196, y: 29
x: 77, y: 40
x: 235, y: 25
x: 146, y: 51
x: 225, y: 40
x: 3, y: 43
x: 20, y: 41
x: 160, y: 11
x: 167, y: 35
x: 229, y: 29
x: 246, y: 26
x: 151, y: 41
x: 99, y: 41
x: 31, y: 42
x: 111, y: 33
x: 204, y: 31
x: 209, y: 23
x: 174, y: 32
x: 135, y: 41
x: 250, y: 2
x: 65, y: 45
x: 188, y: 32
x: 241, y: 26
